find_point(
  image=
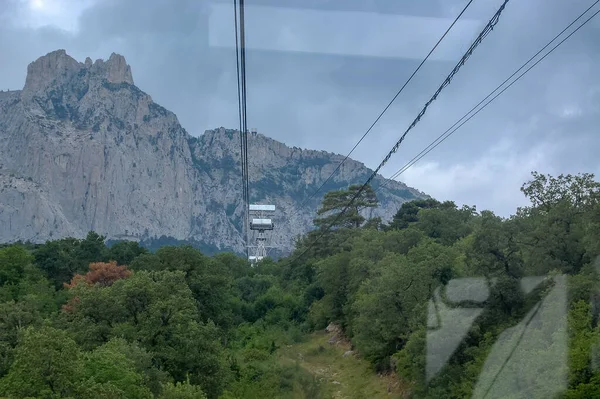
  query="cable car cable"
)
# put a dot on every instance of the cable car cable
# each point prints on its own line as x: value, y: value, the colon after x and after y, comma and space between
x: 241, y: 81
x: 242, y: 160
x: 466, y: 118
x: 388, y: 105
x: 245, y: 127
x: 486, y: 30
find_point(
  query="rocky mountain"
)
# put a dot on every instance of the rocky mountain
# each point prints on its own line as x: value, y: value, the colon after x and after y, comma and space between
x: 82, y: 148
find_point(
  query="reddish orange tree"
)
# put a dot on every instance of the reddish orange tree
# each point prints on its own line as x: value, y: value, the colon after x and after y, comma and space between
x: 102, y: 274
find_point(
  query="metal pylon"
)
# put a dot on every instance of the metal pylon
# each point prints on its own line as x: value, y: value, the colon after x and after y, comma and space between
x: 261, y: 222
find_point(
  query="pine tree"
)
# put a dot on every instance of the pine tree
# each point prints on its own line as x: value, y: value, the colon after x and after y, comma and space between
x: 336, y: 201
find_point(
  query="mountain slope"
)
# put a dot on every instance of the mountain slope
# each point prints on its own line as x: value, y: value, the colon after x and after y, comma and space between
x: 82, y: 148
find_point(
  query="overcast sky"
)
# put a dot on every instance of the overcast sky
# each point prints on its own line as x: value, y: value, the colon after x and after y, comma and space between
x: 319, y: 72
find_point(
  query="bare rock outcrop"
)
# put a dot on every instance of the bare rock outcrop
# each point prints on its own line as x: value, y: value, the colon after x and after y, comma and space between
x: 82, y: 148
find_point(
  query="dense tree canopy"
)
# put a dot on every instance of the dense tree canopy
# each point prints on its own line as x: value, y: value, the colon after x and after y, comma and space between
x: 456, y: 302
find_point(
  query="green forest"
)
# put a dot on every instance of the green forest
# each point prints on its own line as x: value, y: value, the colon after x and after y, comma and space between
x: 80, y: 319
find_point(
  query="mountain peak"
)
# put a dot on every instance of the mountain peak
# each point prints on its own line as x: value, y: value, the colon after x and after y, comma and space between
x: 46, y: 69
x: 115, y: 69
x: 59, y: 66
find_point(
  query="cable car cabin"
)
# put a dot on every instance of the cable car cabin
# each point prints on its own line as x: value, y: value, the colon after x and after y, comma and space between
x: 254, y: 259
x: 261, y: 224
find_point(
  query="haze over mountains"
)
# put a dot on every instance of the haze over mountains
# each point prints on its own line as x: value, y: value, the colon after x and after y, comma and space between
x: 82, y: 148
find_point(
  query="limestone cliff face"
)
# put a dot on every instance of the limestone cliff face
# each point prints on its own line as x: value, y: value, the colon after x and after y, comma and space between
x: 82, y: 148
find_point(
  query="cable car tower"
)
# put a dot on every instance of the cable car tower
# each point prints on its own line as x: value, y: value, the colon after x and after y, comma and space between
x: 261, y: 222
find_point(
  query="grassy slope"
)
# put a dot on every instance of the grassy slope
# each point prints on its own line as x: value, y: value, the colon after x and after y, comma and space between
x: 343, y: 377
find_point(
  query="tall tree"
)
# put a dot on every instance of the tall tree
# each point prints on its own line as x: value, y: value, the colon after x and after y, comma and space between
x: 123, y: 252
x: 336, y: 201
x: 46, y: 365
x: 101, y: 273
x: 208, y: 279
x: 13, y: 261
x: 409, y: 210
x: 58, y: 260
x: 156, y: 309
x: 545, y: 191
x: 108, y: 367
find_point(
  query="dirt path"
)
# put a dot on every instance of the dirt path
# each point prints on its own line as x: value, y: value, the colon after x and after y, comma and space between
x: 344, y: 375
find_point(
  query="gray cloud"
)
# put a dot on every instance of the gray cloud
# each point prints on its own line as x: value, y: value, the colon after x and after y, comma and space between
x: 340, y: 32
x: 549, y: 120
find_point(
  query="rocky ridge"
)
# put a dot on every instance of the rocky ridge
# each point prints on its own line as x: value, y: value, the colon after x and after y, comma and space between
x: 82, y: 148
